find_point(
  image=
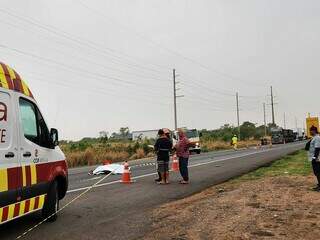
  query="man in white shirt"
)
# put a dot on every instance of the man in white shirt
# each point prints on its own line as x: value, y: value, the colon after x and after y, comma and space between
x: 314, y: 151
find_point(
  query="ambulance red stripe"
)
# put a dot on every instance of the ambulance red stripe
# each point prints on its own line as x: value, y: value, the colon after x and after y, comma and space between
x: 16, y: 210
x: 5, y: 214
x: 28, y: 175
x: 27, y: 206
x: 7, y: 75
x: 36, y: 203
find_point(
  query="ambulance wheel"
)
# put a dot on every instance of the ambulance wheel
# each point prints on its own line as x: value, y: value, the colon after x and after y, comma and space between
x: 51, y: 205
x: 198, y: 151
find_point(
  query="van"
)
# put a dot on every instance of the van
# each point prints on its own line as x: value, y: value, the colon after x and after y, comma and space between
x: 33, y: 169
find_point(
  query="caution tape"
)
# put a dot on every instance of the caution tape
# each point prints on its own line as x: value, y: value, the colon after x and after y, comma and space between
x: 68, y: 204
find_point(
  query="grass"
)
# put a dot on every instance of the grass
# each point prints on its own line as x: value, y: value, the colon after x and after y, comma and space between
x: 295, y: 164
x: 211, y: 145
x: 86, y: 153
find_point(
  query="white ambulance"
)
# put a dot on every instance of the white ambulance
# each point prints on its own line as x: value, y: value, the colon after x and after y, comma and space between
x: 33, y: 170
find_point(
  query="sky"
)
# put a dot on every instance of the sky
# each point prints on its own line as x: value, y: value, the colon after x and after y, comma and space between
x: 100, y: 65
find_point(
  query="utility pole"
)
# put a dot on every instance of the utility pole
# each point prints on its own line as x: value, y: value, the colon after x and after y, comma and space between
x: 175, y: 100
x: 175, y: 96
x: 264, y: 119
x: 284, y: 121
x: 238, y: 117
x: 296, y: 123
x: 272, y: 106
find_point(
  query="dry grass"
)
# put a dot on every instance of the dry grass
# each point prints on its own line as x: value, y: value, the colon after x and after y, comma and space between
x: 117, y: 152
x: 221, y: 145
x: 92, y: 157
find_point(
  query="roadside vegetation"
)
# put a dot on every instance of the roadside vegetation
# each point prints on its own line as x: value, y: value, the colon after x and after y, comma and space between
x: 295, y: 164
x: 118, y: 147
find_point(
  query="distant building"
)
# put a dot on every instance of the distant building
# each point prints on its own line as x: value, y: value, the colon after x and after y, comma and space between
x: 144, y: 134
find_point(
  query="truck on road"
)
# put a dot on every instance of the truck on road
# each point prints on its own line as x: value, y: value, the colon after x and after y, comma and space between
x: 280, y: 135
x: 194, y: 137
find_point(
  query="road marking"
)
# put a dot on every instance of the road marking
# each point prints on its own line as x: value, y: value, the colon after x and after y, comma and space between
x: 89, y: 179
x: 191, y: 166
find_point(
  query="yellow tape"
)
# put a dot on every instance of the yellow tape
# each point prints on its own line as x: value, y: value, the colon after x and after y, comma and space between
x: 11, y: 211
x: 33, y: 171
x: 3, y: 180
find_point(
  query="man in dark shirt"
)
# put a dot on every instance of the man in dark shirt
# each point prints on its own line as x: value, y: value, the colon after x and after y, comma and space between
x: 163, y: 147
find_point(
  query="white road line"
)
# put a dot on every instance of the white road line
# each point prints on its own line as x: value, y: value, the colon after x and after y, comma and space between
x: 191, y: 166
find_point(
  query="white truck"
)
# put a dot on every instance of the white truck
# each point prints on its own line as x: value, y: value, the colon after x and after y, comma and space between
x: 194, y: 137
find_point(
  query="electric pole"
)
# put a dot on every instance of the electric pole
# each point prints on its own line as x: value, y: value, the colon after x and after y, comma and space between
x: 238, y: 117
x: 272, y: 106
x: 264, y: 119
x: 175, y: 89
x: 175, y: 100
x: 284, y: 121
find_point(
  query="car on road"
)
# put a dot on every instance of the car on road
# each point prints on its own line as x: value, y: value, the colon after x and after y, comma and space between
x: 33, y: 169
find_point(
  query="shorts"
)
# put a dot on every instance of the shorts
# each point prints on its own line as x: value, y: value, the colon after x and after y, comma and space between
x: 162, y: 166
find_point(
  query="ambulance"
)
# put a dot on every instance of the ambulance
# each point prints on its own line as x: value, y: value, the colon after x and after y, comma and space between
x: 33, y: 170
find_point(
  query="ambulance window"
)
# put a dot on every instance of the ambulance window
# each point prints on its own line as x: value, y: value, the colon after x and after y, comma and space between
x: 28, y: 120
x: 34, y: 126
x: 44, y: 134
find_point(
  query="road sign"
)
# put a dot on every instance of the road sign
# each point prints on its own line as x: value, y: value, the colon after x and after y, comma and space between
x: 312, y: 121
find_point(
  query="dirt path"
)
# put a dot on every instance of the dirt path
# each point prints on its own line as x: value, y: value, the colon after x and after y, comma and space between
x: 268, y: 208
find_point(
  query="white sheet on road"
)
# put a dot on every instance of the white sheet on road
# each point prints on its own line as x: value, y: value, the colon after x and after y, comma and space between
x: 114, y: 168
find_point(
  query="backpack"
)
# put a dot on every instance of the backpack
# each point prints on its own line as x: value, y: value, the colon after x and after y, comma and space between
x: 307, y: 147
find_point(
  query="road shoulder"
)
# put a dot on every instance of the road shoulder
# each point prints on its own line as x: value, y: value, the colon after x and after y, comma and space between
x: 274, y: 201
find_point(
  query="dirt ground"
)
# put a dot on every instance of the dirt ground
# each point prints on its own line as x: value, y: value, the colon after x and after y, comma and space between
x: 281, y: 207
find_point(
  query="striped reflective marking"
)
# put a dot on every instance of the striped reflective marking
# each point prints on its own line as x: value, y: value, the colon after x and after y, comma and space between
x: 31, y: 207
x: 3, y: 79
x: 25, y: 88
x: 11, y: 211
x: 19, y: 209
x: 11, y: 73
x: 33, y: 170
x: 7, y: 76
x: 24, y: 177
x: 3, y: 180
x: 1, y: 212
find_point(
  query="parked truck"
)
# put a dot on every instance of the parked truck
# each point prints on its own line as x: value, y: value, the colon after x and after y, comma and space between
x: 280, y: 135
x: 194, y: 137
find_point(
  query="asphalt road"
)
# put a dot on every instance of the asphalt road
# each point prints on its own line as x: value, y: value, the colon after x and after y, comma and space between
x: 118, y: 211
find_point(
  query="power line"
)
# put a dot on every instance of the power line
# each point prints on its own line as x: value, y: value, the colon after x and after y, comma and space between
x: 142, y: 36
x: 72, y: 68
x: 68, y: 36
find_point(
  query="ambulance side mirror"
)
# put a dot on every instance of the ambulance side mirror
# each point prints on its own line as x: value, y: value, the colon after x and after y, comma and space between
x: 54, y: 137
x: 200, y: 134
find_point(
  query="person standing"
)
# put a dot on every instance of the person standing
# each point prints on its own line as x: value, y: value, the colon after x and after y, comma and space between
x: 314, y: 150
x: 234, y: 142
x: 182, y: 150
x: 163, y: 146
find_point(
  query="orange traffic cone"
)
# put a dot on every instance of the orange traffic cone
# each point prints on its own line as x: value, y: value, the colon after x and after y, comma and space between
x: 175, y: 163
x: 126, y: 175
x: 106, y: 162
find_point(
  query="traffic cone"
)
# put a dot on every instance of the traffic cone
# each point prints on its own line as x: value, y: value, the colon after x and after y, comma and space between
x: 106, y: 162
x: 175, y: 163
x: 126, y: 175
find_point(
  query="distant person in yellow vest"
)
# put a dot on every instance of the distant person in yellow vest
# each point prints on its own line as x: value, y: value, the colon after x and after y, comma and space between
x: 234, y: 142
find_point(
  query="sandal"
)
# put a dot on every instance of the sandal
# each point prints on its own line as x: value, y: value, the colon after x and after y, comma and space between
x: 183, y: 182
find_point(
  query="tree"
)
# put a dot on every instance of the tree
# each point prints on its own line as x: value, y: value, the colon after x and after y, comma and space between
x: 124, y: 131
x: 103, y: 136
x: 248, y: 130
